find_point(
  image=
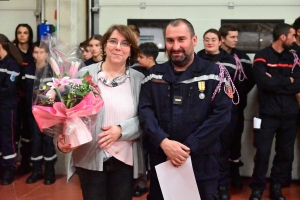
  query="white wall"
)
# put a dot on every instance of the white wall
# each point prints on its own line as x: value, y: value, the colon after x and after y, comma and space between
x: 14, y: 12
x: 203, y: 15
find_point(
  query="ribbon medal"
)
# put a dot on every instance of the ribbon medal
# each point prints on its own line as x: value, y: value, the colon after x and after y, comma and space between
x: 201, y: 87
x: 228, y: 90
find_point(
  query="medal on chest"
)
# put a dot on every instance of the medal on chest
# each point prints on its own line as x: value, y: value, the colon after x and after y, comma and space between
x: 201, y: 88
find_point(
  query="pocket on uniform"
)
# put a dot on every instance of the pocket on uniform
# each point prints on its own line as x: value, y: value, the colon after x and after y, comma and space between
x: 256, y: 123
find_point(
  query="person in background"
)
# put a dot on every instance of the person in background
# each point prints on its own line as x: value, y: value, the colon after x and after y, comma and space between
x: 43, y: 149
x: 94, y: 46
x: 278, y: 81
x: 181, y: 112
x: 10, y: 61
x: 146, y: 58
x: 245, y: 82
x: 23, y: 40
x: 136, y: 32
x: 212, y: 52
x: 296, y: 44
x: 107, y: 165
x: 84, y: 50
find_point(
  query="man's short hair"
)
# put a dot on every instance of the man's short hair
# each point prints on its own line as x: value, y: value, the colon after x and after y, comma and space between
x: 296, y: 24
x: 280, y: 29
x: 149, y: 49
x: 178, y: 21
x: 224, y: 29
x: 41, y: 45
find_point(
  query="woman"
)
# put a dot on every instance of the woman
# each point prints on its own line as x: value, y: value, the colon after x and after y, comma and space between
x: 213, y: 52
x: 10, y: 61
x: 105, y: 165
x: 94, y: 46
x: 23, y: 40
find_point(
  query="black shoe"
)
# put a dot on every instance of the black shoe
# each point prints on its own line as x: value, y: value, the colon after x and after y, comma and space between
x: 34, y: 177
x: 139, y: 191
x: 24, y: 168
x: 256, y: 195
x: 236, y: 179
x: 223, y: 193
x: 8, y: 177
x: 50, y: 177
x: 275, y: 192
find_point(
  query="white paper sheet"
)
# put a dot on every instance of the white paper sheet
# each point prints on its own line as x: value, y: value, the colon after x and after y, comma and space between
x: 177, y: 183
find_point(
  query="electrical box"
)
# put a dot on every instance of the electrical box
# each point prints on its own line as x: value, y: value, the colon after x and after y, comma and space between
x: 45, y: 30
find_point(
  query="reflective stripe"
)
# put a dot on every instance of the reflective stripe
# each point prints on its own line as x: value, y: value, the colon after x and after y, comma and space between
x: 9, y: 72
x: 10, y: 156
x: 46, y: 80
x: 25, y: 140
x: 29, y: 76
x: 149, y: 77
x: 246, y: 61
x: 51, y: 158
x: 229, y: 65
x: 37, y: 158
x: 203, y: 78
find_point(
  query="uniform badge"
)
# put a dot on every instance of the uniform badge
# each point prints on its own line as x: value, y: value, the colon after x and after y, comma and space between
x: 201, y: 87
x: 228, y: 90
x: 13, y: 77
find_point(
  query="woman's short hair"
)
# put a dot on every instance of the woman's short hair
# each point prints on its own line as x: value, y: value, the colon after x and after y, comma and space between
x: 129, y: 37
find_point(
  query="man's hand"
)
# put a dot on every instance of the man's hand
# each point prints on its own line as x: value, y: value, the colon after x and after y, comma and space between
x: 176, y: 152
x: 109, y: 135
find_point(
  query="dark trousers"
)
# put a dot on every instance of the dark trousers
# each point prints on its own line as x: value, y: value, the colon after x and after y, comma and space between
x: 235, y: 146
x: 207, y: 188
x: 7, y: 140
x: 284, y: 130
x: 225, y: 138
x: 115, y: 182
x: 23, y: 129
x: 43, y: 148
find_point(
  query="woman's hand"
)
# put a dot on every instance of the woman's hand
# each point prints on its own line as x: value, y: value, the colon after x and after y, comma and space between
x: 109, y: 135
x: 66, y: 148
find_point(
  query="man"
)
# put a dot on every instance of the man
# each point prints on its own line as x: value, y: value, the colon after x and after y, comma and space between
x: 245, y: 80
x: 278, y: 81
x: 182, y: 109
x: 296, y: 44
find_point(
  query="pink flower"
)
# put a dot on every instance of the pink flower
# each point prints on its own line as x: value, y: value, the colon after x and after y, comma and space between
x: 58, y: 83
x: 88, y: 78
x: 54, y: 67
x: 77, y: 81
x: 74, y: 69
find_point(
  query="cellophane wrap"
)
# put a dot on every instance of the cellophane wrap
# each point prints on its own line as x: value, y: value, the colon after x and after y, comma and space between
x: 62, y: 101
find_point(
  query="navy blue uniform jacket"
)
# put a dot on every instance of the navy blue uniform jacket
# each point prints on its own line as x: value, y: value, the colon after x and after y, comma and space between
x: 9, y: 72
x: 196, y: 123
x: 276, y: 95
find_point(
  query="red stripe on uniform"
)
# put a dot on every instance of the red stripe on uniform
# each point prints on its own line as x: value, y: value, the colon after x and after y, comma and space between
x: 259, y: 59
x: 12, y: 135
x: 280, y: 65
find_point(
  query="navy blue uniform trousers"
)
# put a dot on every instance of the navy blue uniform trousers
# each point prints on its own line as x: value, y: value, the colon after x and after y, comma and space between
x: 284, y: 130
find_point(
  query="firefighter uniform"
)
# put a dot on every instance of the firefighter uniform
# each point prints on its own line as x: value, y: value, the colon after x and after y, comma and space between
x: 278, y: 110
x: 9, y: 72
x: 172, y: 105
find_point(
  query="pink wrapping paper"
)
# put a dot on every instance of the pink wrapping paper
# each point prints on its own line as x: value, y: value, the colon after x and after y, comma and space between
x: 59, y: 113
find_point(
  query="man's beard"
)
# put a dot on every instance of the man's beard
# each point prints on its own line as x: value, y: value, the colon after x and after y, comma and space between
x: 179, y: 61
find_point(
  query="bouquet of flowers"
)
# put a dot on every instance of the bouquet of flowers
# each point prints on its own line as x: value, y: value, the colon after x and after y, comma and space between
x: 65, y: 104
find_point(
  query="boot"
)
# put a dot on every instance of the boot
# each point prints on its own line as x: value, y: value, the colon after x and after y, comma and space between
x: 36, y: 174
x: 256, y: 195
x: 8, y: 177
x: 236, y: 179
x: 223, y: 193
x: 49, y: 174
x: 275, y: 192
x: 24, y: 167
